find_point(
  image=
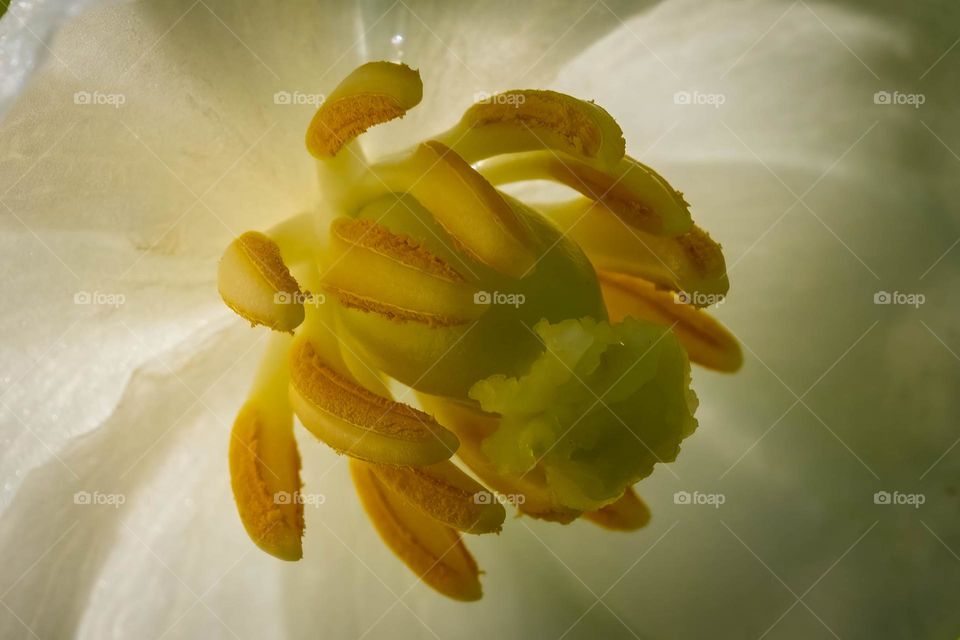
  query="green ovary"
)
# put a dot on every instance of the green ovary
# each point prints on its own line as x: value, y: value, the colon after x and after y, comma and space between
x: 596, y: 410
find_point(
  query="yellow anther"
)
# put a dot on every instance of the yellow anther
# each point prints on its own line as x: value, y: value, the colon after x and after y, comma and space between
x: 375, y: 270
x: 373, y: 93
x: 432, y: 550
x: 629, y: 513
x: 478, y: 218
x: 265, y: 464
x: 691, y: 262
x: 355, y: 421
x: 256, y: 284
x: 446, y: 494
x: 634, y: 192
x: 707, y: 342
x: 524, y: 120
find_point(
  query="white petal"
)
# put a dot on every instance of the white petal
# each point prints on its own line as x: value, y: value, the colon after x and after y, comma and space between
x: 158, y: 459
x: 26, y: 34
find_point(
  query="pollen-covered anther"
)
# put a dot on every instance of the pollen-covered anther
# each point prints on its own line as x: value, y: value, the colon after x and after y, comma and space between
x: 705, y: 256
x: 446, y: 494
x: 353, y: 420
x: 265, y: 463
x: 254, y: 281
x: 372, y: 94
x: 432, y: 550
x: 376, y: 270
x: 632, y: 191
x: 469, y: 208
x: 707, y: 342
x: 690, y: 262
x: 266, y: 492
x: 629, y: 513
x: 527, y: 119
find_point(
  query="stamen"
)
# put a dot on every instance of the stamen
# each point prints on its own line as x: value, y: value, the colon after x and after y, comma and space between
x: 373, y: 93
x: 634, y: 192
x: 432, y: 550
x: 254, y: 281
x: 506, y: 317
x: 629, y: 513
x: 523, y: 120
x: 707, y: 342
x: 375, y: 270
x: 464, y: 204
x: 358, y: 422
x: 691, y: 262
x: 446, y: 494
x: 264, y: 462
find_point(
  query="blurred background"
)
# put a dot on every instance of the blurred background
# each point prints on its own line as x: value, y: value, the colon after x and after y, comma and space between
x: 817, y: 141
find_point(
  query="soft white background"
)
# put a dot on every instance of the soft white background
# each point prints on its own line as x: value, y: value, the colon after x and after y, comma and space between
x: 820, y: 197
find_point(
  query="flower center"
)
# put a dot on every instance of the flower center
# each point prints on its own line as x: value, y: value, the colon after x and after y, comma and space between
x: 542, y: 342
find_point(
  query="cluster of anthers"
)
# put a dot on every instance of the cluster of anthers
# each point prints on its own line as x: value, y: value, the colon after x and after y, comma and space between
x: 544, y: 344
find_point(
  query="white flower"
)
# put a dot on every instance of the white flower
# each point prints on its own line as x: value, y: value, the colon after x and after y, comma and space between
x: 152, y: 134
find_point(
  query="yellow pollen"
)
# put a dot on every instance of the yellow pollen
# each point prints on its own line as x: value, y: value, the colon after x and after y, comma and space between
x: 447, y: 495
x: 264, y: 461
x: 376, y: 270
x: 255, y: 283
x: 525, y: 120
x: 377, y: 238
x: 432, y: 550
x: 541, y: 110
x: 358, y: 422
x: 374, y: 93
